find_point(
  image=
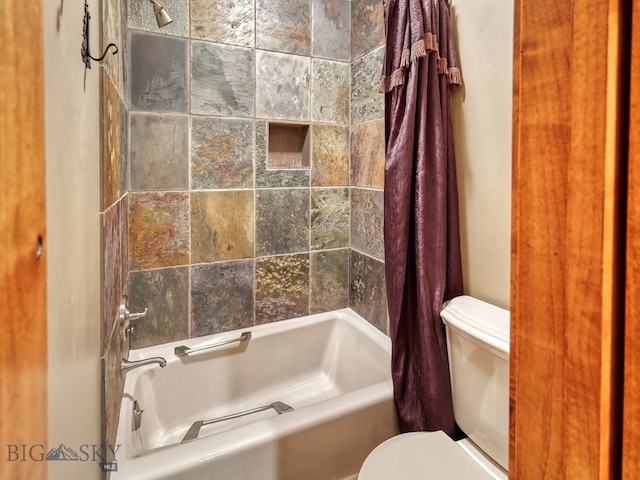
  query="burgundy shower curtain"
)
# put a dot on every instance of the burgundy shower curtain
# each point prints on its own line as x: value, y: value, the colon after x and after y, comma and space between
x: 422, y: 246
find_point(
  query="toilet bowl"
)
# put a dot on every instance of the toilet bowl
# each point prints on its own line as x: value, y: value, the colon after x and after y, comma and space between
x: 478, y: 349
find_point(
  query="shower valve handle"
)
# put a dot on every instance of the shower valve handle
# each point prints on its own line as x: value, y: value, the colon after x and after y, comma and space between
x: 126, y: 317
x: 135, y: 316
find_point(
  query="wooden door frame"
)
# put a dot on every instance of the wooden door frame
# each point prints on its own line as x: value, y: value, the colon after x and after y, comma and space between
x: 23, y: 336
x: 631, y: 405
x: 567, y: 238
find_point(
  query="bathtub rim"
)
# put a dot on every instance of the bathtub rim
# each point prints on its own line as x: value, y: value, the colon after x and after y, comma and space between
x: 262, y: 330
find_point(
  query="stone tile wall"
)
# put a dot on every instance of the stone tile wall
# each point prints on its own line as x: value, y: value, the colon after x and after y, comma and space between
x: 115, y: 207
x: 367, y: 287
x: 257, y: 244
x: 197, y: 228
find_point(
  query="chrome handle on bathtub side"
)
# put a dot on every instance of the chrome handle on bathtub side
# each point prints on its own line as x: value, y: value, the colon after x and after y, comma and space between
x: 184, y: 351
x: 194, y: 430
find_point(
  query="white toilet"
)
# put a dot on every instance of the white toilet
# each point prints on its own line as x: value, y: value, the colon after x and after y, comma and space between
x: 478, y: 342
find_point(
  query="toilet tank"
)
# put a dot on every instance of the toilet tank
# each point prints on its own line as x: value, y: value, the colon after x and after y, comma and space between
x: 478, y: 346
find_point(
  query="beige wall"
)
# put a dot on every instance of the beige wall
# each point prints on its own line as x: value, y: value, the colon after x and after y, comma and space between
x: 482, y: 133
x: 73, y: 235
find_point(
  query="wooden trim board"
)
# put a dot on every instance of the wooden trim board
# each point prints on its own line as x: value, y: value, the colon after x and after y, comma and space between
x: 23, y: 336
x: 566, y: 239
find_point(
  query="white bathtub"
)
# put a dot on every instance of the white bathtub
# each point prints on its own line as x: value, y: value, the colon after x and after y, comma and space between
x: 333, y: 369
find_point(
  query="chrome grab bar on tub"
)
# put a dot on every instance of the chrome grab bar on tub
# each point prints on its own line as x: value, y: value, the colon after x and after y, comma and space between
x: 194, y: 430
x: 184, y: 351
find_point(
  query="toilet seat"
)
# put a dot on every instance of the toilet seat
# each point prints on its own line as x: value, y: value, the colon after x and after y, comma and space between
x: 421, y: 456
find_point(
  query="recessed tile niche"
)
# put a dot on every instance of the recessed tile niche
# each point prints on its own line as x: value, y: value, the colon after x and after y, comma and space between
x: 289, y: 146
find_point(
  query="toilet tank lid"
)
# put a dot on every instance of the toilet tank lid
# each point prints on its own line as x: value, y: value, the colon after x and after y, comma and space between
x: 482, y: 320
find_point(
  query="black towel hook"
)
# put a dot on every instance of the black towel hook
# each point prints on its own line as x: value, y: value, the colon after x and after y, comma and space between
x: 86, y: 54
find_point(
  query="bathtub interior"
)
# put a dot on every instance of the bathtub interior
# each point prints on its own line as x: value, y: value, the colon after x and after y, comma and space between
x: 301, y: 362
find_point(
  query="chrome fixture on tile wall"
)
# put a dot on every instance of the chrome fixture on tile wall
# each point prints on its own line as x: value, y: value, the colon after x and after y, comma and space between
x: 85, y: 50
x: 162, y: 17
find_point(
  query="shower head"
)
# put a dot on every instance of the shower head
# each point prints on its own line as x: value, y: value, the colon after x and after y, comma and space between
x: 162, y: 17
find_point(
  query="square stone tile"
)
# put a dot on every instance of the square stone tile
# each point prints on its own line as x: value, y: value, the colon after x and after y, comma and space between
x: 231, y: 22
x: 329, y: 218
x: 112, y: 387
x: 329, y: 280
x: 114, y: 27
x: 222, y: 80
x: 283, y: 86
x: 368, y: 291
x: 282, y: 287
x: 111, y: 142
x: 165, y: 293
x: 159, y: 151
x: 113, y: 284
x: 367, y: 103
x: 331, y: 29
x: 221, y: 297
x: 222, y: 226
x: 284, y: 26
x: 158, y: 229
x: 330, y: 156
x: 282, y: 221
x: 367, y: 26
x: 367, y: 221
x: 158, y: 73
x: 330, y: 92
x: 367, y: 154
x: 222, y: 152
